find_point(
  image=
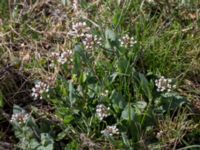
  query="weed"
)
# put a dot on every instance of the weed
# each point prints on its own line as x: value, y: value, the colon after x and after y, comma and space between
x: 90, y: 74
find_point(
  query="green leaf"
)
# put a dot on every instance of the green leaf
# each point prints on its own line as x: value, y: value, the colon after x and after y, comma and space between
x: 146, y: 86
x: 91, y: 79
x: 80, y: 52
x: 118, y: 101
x: 117, y: 17
x: 141, y: 105
x: 83, y: 77
x: 1, y: 100
x: 71, y: 91
x: 107, y: 44
x: 46, y: 141
x: 4, y: 9
x: 125, y: 139
x: 114, y: 76
x: 62, y: 134
x: 73, y: 146
x: 45, y: 125
x: 123, y: 65
x: 110, y: 35
x: 34, y: 144
x: 68, y: 119
x: 128, y: 113
x: 172, y: 101
x: 79, y: 57
x: 17, y: 109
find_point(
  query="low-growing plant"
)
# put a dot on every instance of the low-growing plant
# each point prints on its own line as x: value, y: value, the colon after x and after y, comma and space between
x: 98, y: 74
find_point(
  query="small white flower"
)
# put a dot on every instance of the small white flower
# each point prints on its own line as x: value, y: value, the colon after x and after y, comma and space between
x: 102, y: 111
x: 159, y: 134
x: 55, y: 55
x: 105, y: 93
x: 39, y: 89
x: 79, y: 29
x: 52, y: 65
x: 60, y: 57
x: 164, y: 84
x: 90, y: 41
x: 110, y: 130
x: 174, y: 86
x: 127, y: 41
x: 21, y: 118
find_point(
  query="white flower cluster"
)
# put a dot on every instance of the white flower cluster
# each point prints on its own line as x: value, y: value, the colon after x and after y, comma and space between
x: 102, y: 111
x: 91, y: 40
x: 21, y: 118
x: 127, y: 41
x: 60, y: 57
x: 159, y: 134
x: 105, y: 93
x: 51, y: 80
x: 164, y: 84
x: 82, y: 30
x: 39, y: 89
x: 110, y: 130
x: 79, y: 29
